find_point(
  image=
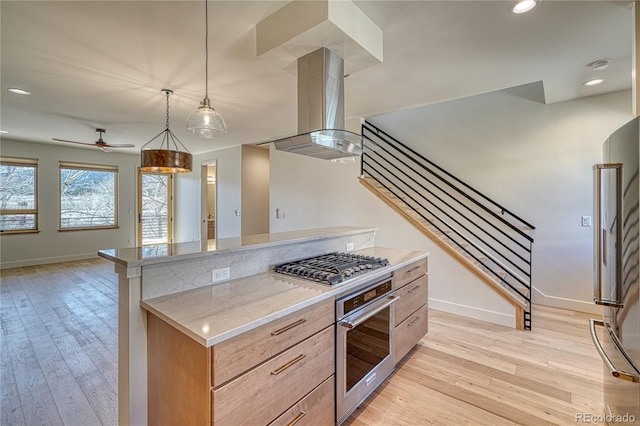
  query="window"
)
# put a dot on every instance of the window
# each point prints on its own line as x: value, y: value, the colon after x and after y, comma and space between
x: 18, y: 195
x: 88, y: 196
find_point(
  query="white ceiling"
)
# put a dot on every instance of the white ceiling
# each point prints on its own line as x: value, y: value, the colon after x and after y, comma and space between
x: 102, y: 64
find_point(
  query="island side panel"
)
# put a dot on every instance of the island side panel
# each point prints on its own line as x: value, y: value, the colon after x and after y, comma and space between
x: 179, y: 371
x: 132, y: 349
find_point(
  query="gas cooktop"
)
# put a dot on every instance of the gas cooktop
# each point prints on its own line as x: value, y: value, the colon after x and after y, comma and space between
x: 332, y: 268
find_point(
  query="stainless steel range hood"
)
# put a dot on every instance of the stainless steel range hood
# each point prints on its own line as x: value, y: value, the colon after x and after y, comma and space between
x: 321, y: 110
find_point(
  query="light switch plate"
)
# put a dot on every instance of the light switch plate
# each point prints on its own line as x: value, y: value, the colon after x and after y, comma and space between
x: 586, y: 221
x: 349, y: 246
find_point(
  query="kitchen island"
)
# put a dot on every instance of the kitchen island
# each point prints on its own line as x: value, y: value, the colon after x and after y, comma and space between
x: 173, y: 283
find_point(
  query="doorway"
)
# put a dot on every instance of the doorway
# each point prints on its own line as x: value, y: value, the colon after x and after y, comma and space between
x: 208, y: 207
x: 155, y: 209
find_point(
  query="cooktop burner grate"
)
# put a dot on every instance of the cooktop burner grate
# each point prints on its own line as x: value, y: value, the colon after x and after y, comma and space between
x: 332, y: 268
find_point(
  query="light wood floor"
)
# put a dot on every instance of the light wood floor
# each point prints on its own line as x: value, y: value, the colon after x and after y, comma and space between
x: 59, y: 361
x: 475, y: 373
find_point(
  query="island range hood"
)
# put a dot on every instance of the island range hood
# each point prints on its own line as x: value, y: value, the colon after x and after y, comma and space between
x: 321, y: 110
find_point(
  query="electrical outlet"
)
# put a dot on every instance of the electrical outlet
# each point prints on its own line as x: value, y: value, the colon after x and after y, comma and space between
x: 221, y: 274
x: 349, y: 246
x: 586, y: 221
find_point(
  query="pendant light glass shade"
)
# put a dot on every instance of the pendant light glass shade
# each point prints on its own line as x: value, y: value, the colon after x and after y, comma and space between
x: 206, y: 122
x: 167, y: 158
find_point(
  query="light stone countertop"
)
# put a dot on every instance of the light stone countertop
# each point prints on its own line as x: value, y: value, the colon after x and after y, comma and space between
x: 221, y: 311
x: 162, y: 253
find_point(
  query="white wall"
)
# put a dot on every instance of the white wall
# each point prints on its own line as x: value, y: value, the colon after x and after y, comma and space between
x: 533, y: 158
x: 188, y: 197
x: 255, y: 190
x: 50, y: 245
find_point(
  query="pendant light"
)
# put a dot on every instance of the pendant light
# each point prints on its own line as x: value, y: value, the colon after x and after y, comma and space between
x: 167, y: 158
x: 206, y: 122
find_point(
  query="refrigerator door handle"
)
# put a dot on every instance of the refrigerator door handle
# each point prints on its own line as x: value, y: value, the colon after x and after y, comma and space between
x: 600, y: 239
x: 619, y: 374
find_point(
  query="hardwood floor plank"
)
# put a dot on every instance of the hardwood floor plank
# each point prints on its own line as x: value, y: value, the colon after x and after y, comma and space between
x: 38, y: 405
x: 11, y: 409
x: 103, y: 399
x: 73, y: 406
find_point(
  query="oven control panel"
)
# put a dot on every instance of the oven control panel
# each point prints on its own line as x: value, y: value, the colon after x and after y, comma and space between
x: 361, y: 299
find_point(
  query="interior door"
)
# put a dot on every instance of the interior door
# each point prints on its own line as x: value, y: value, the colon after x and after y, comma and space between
x: 155, y: 208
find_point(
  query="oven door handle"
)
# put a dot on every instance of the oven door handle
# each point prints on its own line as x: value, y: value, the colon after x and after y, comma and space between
x: 619, y: 374
x: 360, y: 317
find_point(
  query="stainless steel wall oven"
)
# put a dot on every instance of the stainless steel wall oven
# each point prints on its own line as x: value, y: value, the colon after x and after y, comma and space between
x: 364, y: 343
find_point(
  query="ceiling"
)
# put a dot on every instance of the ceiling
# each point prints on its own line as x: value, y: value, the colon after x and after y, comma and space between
x: 92, y: 64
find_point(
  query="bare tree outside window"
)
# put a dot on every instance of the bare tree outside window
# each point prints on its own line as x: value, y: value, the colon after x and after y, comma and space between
x: 18, y: 199
x: 155, y: 208
x: 88, y: 197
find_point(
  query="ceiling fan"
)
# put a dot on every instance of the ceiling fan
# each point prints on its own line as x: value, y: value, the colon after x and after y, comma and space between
x: 100, y: 143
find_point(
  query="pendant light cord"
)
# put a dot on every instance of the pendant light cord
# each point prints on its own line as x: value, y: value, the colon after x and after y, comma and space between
x: 206, y: 48
x: 167, y: 124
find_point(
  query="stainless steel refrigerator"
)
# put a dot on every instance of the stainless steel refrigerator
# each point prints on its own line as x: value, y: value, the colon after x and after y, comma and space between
x: 616, y: 260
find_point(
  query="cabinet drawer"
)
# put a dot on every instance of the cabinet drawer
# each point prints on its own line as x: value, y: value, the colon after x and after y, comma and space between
x: 262, y: 394
x: 409, y: 332
x: 315, y: 409
x: 239, y: 354
x: 404, y: 276
x: 412, y: 296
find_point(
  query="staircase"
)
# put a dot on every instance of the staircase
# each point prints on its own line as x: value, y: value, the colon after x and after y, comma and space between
x: 484, y: 237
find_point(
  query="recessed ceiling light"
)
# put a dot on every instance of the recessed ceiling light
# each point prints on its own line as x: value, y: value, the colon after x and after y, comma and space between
x: 18, y: 91
x: 593, y: 82
x: 599, y: 65
x: 523, y: 6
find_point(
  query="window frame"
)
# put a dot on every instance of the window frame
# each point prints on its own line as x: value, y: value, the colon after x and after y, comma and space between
x: 23, y: 162
x: 89, y: 167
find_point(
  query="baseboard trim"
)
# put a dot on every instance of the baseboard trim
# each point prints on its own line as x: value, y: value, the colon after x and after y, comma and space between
x: 540, y: 298
x: 47, y: 260
x: 500, y: 318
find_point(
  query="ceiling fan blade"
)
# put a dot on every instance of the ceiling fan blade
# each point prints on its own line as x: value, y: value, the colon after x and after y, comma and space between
x: 79, y: 143
x: 120, y: 145
x: 103, y: 148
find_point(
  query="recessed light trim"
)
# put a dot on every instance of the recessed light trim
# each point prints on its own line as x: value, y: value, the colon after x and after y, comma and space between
x: 523, y: 6
x: 18, y: 91
x: 599, y: 65
x: 594, y: 82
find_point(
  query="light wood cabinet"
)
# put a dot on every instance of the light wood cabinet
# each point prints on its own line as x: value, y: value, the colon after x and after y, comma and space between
x: 270, y: 374
x: 264, y: 393
x: 412, y: 297
x: 409, y: 332
x: 411, y: 286
x: 315, y: 409
x: 237, y: 355
x: 409, y: 273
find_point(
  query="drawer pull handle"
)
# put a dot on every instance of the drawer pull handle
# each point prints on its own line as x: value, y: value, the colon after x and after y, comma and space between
x: 297, y: 418
x: 288, y: 364
x: 414, y: 288
x: 413, y: 321
x: 415, y: 268
x: 288, y: 327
